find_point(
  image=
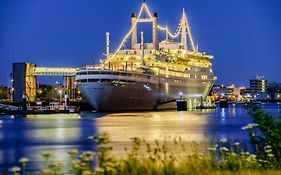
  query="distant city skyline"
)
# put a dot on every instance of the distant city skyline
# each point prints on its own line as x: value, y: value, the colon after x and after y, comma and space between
x: 243, y: 35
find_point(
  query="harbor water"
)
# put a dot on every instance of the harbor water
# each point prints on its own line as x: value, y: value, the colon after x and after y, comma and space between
x: 31, y: 135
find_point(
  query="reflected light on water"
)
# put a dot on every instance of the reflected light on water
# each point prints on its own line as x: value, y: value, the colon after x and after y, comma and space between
x: 54, y: 116
x: 20, y: 136
x: 223, y: 114
x: 154, y: 126
x: 60, y: 130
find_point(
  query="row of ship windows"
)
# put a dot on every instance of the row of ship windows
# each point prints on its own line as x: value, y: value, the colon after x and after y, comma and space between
x: 112, y: 73
x: 203, y: 77
x: 178, y: 74
x: 201, y: 70
x: 104, y: 80
x: 135, y: 75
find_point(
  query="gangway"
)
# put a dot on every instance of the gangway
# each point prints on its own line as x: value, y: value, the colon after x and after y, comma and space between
x: 55, y: 71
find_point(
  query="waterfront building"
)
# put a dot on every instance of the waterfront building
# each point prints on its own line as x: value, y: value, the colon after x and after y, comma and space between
x: 274, y: 91
x: 221, y: 91
x: 259, y: 84
x: 23, y: 82
x: 258, y: 90
x: 3, y: 92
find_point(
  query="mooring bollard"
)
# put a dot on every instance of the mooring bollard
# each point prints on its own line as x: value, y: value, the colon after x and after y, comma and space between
x: 181, y: 105
x: 223, y: 103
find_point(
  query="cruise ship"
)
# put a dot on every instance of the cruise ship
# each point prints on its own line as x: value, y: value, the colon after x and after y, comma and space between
x: 146, y: 76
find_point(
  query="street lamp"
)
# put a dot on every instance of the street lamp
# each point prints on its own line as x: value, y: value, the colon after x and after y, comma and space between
x: 60, y: 92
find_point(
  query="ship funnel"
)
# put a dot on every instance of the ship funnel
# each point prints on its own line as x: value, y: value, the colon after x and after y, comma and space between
x: 142, y: 45
x: 155, y: 31
x: 134, y: 32
x: 107, y: 45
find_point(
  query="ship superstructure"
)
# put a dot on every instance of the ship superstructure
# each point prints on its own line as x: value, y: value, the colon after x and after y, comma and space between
x: 148, y: 75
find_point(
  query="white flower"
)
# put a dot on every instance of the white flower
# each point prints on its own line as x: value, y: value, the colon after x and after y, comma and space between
x: 268, y: 150
x: 91, y: 137
x: 250, y: 126
x: 245, y: 153
x: 16, y: 169
x: 223, y: 140
x: 23, y: 160
x: 236, y: 143
x: 263, y: 161
x: 270, y: 155
x: 211, y: 149
x: 252, y: 156
x: 233, y: 154
x: 224, y: 149
x: 267, y: 147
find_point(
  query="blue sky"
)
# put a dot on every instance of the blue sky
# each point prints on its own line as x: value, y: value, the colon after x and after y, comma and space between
x: 243, y: 35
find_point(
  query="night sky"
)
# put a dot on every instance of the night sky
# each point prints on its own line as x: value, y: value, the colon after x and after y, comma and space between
x: 243, y: 35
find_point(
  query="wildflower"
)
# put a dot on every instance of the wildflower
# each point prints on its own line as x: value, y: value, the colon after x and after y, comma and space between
x: 73, y: 152
x: 211, y: 149
x: 268, y: 150
x: 58, y: 164
x: 201, y: 155
x: 76, y: 164
x: 47, y: 154
x: 249, y: 126
x: 263, y: 161
x: 236, y: 143
x: 87, y: 172
x: 245, y: 153
x: 270, y: 155
x: 224, y: 149
x: 267, y: 147
x: 223, y: 140
x: 91, y: 137
x: 76, y: 161
x: 99, y: 170
x: 47, y: 172
x: 233, y: 154
x: 252, y: 157
x: 15, y: 169
x: 24, y: 160
x: 87, y: 156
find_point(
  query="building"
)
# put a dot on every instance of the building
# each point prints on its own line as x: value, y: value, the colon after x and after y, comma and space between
x: 220, y: 91
x: 274, y: 91
x: 258, y: 90
x: 259, y: 84
x: 23, y: 82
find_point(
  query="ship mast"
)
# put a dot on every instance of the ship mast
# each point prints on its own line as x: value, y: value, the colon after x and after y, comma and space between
x: 185, y: 30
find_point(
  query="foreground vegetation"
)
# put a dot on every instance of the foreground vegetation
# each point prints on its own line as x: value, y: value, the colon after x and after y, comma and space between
x: 174, y: 157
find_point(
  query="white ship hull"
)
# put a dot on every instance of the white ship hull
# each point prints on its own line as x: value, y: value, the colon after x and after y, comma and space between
x: 113, y: 93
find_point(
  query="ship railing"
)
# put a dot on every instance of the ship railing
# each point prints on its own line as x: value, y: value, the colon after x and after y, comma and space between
x: 107, y: 68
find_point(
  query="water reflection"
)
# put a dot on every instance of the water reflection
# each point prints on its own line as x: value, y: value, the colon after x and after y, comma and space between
x: 32, y: 135
x: 223, y: 113
x: 154, y: 126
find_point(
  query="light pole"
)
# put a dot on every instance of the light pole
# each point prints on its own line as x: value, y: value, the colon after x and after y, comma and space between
x: 60, y: 92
